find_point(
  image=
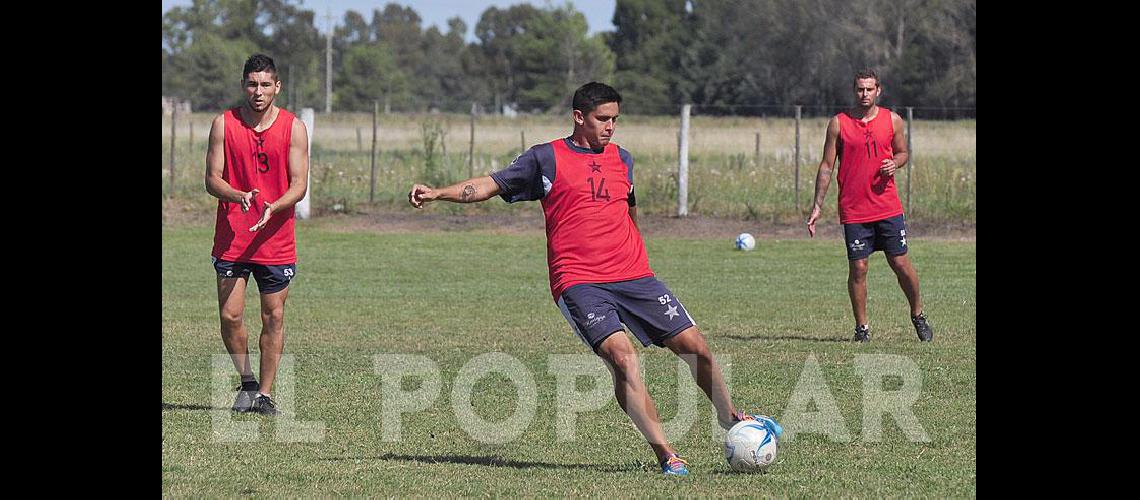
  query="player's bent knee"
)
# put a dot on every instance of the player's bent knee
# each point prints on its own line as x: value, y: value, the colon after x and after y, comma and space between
x: 690, y: 343
x: 622, y: 359
x: 625, y: 363
x: 275, y: 315
x: 898, y: 262
x: 231, y: 319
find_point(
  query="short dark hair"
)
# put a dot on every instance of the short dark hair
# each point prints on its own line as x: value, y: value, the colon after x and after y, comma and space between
x: 257, y: 63
x: 866, y: 73
x: 590, y: 95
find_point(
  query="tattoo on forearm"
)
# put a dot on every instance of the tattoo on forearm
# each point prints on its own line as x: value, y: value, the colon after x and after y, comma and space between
x: 822, y: 181
x: 468, y: 193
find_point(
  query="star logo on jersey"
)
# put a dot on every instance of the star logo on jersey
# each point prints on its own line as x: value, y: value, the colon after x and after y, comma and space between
x: 671, y: 311
x: 594, y: 166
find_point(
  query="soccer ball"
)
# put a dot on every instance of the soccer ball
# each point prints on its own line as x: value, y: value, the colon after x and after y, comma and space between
x: 749, y: 447
x: 745, y: 242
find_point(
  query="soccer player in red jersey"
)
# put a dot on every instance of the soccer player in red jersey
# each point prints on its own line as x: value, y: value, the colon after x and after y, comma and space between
x: 257, y: 152
x: 870, y: 144
x: 599, y: 272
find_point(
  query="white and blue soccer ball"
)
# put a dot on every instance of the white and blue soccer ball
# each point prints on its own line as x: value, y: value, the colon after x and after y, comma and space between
x: 750, y: 446
x: 745, y: 242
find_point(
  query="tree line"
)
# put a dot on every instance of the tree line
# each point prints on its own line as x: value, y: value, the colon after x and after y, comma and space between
x: 740, y: 57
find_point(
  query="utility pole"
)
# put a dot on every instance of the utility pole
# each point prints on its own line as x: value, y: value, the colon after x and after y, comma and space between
x: 328, y: 61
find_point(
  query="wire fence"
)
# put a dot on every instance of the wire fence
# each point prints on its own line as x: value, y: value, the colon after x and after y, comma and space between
x: 740, y: 164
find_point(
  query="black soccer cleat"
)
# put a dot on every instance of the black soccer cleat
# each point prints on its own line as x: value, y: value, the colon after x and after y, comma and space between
x: 265, y: 406
x: 862, y: 334
x: 922, y: 328
x: 246, y: 393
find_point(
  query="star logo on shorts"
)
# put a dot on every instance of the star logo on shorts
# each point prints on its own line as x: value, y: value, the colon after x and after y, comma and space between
x: 672, y: 312
x: 594, y: 166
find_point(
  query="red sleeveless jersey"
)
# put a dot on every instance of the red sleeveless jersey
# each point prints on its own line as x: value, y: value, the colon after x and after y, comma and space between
x: 865, y: 194
x: 590, y: 237
x: 256, y: 160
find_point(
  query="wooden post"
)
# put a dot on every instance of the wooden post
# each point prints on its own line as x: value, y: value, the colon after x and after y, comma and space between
x: 173, y: 128
x: 372, y: 188
x: 910, y: 159
x: 471, y: 148
x: 683, y: 164
x: 756, y: 155
x: 798, y: 107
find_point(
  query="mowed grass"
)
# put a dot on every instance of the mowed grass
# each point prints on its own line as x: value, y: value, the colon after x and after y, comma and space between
x: 452, y: 296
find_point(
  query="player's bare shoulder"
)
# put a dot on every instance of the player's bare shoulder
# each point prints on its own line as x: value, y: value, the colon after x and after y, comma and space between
x: 299, y: 129
x: 896, y: 119
x: 218, y: 127
x: 833, y: 125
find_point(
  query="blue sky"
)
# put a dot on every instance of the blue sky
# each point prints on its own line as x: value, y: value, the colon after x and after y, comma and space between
x: 599, y: 13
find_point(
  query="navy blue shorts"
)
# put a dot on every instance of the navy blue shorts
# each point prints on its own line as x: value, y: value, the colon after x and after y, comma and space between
x: 597, y: 310
x: 270, y: 279
x: 888, y: 235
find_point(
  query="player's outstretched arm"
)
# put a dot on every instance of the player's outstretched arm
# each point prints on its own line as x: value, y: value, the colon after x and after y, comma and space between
x: 469, y: 191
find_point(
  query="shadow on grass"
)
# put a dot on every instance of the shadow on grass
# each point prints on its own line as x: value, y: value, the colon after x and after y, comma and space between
x: 788, y: 337
x: 502, y: 462
x: 176, y: 406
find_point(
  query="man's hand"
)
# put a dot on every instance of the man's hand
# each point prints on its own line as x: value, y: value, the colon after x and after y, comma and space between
x: 811, y: 220
x: 421, y: 194
x: 247, y: 199
x: 888, y: 167
x: 264, y: 217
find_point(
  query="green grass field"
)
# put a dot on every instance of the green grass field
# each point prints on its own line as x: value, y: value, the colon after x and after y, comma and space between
x: 452, y: 296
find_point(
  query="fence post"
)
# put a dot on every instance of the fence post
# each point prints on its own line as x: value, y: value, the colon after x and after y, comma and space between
x: 372, y: 186
x: 683, y: 164
x: 756, y: 155
x: 798, y: 108
x: 302, y: 208
x: 471, y: 148
x: 173, y: 128
x: 359, y: 141
x: 910, y: 159
x: 522, y: 139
